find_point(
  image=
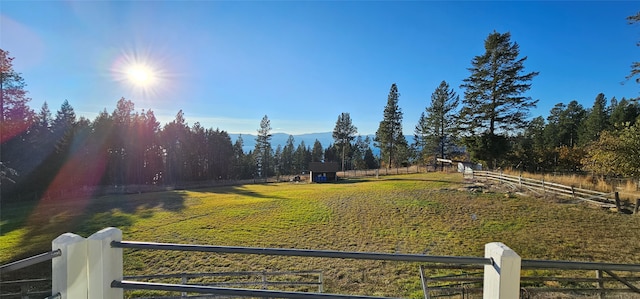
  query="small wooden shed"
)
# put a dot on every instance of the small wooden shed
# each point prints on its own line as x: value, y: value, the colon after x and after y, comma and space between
x: 320, y: 172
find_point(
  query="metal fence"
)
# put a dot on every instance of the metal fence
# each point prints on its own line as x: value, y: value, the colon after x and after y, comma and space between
x: 93, y: 268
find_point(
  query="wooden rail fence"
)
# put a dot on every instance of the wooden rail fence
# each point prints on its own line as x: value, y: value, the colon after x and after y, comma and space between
x: 545, y: 188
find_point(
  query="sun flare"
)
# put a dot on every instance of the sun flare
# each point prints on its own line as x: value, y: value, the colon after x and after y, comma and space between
x: 140, y: 75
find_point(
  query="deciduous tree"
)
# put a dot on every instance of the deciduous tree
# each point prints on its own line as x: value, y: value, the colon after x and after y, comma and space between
x: 615, y: 153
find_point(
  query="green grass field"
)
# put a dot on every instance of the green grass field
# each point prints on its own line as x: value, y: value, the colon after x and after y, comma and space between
x: 421, y: 213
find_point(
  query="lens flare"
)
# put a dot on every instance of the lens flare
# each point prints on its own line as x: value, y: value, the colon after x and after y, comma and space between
x: 142, y: 74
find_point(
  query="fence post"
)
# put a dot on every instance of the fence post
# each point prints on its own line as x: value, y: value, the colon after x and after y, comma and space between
x: 520, y: 181
x: 104, y: 264
x: 617, y: 199
x: 502, y: 278
x: 600, y: 284
x: 69, y: 271
x: 184, y: 281
x: 635, y: 209
x: 264, y: 280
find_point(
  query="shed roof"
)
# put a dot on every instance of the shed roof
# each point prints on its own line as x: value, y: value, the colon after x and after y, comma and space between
x: 324, y: 167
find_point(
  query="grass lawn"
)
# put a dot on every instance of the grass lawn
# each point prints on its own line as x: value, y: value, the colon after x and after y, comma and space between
x: 421, y: 213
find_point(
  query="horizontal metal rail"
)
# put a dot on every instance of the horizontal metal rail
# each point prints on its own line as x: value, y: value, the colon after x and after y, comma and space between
x: 134, y: 285
x: 533, y: 279
x: 55, y: 296
x: 570, y: 265
x: 224, y: 274
x: 306, y: 253
x: 25, y: 281
x: 526, y: 264
x: 535, y: 290
x: 43, y: 257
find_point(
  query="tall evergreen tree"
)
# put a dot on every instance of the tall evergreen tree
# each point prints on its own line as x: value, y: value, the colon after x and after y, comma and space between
x: 262, y: 150
x: 44, y: 119
x: 243, y: 163
x: 437, y: 129
x: 149, y: 148
x: 277, y: 160
x: 331, y: 154
x: 174, y: 139
x: 288, y: 155
x: 596, y: 121
x: 15, y: 113
x: 635, y: 66
x: 563, y: 124
x: 317, y: 152
x: 63, y: 126
x: 343, y: 133
x: 302, y: 157
x: 493, y: 100
x: 389, y: 137
x: 624, y: 112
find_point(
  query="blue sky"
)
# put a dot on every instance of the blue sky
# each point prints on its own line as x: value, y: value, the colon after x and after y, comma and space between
x: 226, y: 64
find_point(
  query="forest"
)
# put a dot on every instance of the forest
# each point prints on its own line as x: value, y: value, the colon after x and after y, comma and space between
x: 42, y: 151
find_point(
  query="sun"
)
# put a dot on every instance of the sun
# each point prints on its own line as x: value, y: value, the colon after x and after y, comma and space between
x: 140, y: 75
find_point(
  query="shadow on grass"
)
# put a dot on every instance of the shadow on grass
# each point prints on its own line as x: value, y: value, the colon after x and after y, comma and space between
x: 418, y: 180
x: 31, y: 226
x: 42, y: 221
x: 239, y: 190
x: 349, y: 181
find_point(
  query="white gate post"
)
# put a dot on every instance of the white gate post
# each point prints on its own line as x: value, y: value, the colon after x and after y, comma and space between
x: 69, y: 271
x: 104, y: 264
x: 502, y: 278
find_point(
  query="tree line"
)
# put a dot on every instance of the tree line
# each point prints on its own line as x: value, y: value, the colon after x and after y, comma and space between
x: 489, y: 125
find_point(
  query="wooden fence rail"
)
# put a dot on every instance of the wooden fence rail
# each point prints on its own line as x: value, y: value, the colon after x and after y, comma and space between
x: 544, y: 188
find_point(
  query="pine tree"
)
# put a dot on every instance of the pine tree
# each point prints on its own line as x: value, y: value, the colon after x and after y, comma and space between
x: 596, y: 121
x: 624, y: 112
x: 343, y: 133
x: 288, y: 156
x: 15, y: 114
x: 635, y: 66
x: 317, y: 152
x: 389, y: 136
x: 174, y: 139
x: 240, y: 168
x: 436, y: 130
x: 493, y: 100
x: 263, y: 150
x: 331, y: 154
